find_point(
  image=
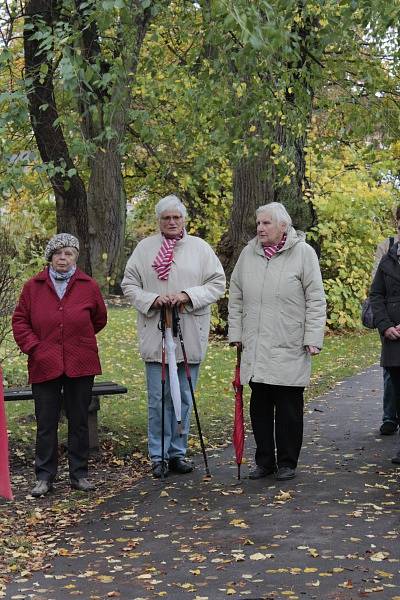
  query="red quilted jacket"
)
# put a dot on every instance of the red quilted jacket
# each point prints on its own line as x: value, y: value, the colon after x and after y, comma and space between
x: 59, y: 335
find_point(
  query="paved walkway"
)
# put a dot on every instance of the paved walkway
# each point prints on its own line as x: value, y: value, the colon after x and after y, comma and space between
x: 331, y: 534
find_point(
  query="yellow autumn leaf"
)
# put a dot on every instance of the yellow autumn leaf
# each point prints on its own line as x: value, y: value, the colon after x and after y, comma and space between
x: 313, y: 552
x: 197, y: 557
x: 310, y: 570
x: 383, y: 574
x: 346, y: 584
x: 238, y: 523
x: 105, y: 578
x: 379, y: 556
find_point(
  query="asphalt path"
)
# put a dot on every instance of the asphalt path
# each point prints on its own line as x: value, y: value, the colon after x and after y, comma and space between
x: 332, y: 533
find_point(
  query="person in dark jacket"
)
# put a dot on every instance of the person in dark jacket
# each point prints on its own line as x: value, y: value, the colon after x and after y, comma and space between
x: 55, y: 322
x: 385, y: 303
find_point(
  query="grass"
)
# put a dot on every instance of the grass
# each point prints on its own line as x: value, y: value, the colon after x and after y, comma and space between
x: 123, y: 418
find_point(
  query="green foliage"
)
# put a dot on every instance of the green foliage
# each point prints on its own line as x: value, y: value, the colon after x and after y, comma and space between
x: 355, y: 212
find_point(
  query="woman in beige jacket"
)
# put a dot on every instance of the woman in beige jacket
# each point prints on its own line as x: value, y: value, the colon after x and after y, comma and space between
x: 167, y: 269
x: 277, y: 316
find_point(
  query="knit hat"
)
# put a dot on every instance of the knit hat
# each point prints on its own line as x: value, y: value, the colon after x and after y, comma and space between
x: 58, y: 241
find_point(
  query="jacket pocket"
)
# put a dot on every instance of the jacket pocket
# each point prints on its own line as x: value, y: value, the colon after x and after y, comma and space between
x: 291, y: 335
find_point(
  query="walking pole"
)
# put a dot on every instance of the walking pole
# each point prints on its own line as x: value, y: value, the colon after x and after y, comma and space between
x: 163, y: 378
x: 177, y: 327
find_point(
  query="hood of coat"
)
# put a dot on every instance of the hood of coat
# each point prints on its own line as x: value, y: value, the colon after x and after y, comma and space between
x: 293, y: 237
x: 390, y: 262
x: 393, y: 252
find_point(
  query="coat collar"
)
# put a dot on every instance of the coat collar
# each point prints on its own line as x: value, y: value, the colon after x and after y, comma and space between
x: 159, y: 236
x: 390, y: 262
x: 293, y: 237
x: 44, y: 275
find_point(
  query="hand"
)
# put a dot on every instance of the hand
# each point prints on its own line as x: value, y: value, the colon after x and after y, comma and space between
x: 180, y: 298
x: 160, y: 301
x: 312, y: 350
x: 392, y: 333
x: 236, y: 345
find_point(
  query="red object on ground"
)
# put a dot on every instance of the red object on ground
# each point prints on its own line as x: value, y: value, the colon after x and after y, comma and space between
x: 5, y: 485
x: 238, y: 425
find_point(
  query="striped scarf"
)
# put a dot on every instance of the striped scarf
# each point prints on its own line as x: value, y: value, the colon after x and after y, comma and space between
x: 269, y: 251
x: 163, y: 261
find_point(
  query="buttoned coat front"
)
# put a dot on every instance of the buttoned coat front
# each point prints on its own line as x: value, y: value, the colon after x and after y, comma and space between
x: 195, y: 270
x: 276, y: 308
x: 59, y: 334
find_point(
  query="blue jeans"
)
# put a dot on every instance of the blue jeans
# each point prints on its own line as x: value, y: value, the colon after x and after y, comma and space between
x: 389, y: 399
x: 175, y: 445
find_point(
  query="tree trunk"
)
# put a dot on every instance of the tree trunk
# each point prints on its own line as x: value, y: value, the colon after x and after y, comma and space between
x: 255, y: 183
x: 107, y: 210
x: 68, y: 187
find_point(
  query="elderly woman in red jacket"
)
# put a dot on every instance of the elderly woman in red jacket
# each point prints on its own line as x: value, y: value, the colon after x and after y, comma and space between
x: 59, y: 312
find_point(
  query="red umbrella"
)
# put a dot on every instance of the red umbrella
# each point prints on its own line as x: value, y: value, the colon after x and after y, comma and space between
x: 238, y: 426
x: 5, y: 487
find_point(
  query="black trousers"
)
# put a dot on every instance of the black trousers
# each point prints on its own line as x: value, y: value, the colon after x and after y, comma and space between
x: 48, y: 397
x: 395, y: 378
x: 276, y: 413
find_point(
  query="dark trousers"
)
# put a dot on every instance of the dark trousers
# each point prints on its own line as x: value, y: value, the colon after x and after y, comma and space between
x: 276, y: 413
x: 394, y: 373
x: 75, y: 393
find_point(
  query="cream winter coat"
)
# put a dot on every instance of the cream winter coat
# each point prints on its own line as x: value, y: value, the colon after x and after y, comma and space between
x: 276, y: 307
x: 195, y: 270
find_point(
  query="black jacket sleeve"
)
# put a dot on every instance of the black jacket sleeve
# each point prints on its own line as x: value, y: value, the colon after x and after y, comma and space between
x: 377, y: 296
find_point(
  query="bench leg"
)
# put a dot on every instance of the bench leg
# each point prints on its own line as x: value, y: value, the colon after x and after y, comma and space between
x: 94, y: 408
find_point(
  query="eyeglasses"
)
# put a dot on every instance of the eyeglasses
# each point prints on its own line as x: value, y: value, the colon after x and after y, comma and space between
x: 172, y: 218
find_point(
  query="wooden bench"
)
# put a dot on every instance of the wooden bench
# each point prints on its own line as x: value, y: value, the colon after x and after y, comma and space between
x: 100, y: 388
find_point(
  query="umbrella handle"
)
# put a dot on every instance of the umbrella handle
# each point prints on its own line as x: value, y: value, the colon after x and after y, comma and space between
x: 238, y: 355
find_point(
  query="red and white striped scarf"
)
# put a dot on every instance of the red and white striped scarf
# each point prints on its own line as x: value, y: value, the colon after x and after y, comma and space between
x: 269, y: 251
x: 163, y: 261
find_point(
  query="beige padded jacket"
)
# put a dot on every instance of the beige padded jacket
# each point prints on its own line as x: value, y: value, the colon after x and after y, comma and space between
x: 195, y: 270
x: 276, y: 308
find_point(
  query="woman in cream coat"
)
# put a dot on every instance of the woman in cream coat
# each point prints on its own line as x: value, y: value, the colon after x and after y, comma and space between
x: 172, y: 268
x: 277, y: 316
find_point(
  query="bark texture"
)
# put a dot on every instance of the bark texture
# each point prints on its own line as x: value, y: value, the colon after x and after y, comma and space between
x: 69, y: 191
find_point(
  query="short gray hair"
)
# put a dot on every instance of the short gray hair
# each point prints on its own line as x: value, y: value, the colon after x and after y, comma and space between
x: 278, y: 213
x: 170, y: 202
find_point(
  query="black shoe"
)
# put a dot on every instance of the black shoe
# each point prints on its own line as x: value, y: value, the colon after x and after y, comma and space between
x: 259, y: 472
x: 388, y: 428
x: 83, y: 485
x: 157, y: 469
x: 42, y: 487
x: 396, y: 459
x: 180, y: 465
x: 285, y: 473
